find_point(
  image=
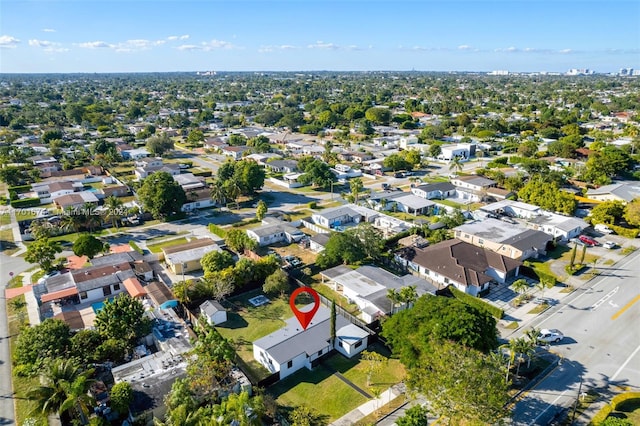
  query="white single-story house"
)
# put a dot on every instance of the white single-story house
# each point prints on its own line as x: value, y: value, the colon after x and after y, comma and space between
x: 368, y: 288
x: 439, y: 191
x: 291, y: 348
x: 275, y: 231
x: 213, y: 312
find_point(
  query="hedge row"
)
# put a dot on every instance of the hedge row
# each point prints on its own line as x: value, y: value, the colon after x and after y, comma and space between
x: 625, y: 232
x: 215, y: 229
x: 494, y: 311
x: 25, y: 202
x: 20, y: 189
x: 616, y: 401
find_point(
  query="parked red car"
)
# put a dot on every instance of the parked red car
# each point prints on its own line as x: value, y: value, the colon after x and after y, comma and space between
x: 588, y: 241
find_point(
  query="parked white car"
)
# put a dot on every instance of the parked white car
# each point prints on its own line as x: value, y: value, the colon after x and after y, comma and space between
x: 550, y: 335
x: 609, y: 245
x: 601, y: 227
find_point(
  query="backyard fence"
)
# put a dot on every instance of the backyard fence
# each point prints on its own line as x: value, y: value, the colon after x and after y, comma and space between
x: 340, y: 310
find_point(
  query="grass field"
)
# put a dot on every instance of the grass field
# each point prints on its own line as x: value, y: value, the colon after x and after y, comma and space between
x: 319, y: 389
x: 22, y: 385
x: 157, y: 248
x: 247, y: 323
x: 355, y: 369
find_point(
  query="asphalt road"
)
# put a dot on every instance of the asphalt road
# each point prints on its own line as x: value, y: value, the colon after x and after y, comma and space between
x: 8, y: 265
x: 601, y: 348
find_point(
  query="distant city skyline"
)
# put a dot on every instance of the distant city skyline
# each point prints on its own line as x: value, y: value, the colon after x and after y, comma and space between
x: 52, y: 36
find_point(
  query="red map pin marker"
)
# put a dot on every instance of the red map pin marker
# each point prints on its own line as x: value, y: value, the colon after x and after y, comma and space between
x: 304, y: 317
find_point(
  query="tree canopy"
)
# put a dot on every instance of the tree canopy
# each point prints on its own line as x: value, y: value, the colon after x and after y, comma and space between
x: 161, y: 195
x: 35, y: 344
x: 87, y: 245
x: 123, y: 318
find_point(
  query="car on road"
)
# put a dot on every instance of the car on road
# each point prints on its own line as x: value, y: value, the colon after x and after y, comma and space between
x: 544, y: 301
x: 550, y: 335
x: 588, y: 241
x: 609, y: 245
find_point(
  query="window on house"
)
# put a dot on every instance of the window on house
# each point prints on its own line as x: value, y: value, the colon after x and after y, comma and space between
x: 466, y: 235
x: 358, y: 344
x: 340, y: 343
x: 319, y: 353
x: 446, y: 280
x: 106, y: 290
x: 116, y: 287
x: 289, y: 364
x: 83, y: 295
x: 480, y: 241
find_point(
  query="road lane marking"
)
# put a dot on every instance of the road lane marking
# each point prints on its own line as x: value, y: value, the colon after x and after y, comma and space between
x: 548, y: 406
x: 624, y: 364
x: 604, y: 299
x: 625, y: 307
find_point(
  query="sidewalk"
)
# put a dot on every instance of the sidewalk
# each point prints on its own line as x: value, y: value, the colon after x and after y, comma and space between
x: 370, y: 406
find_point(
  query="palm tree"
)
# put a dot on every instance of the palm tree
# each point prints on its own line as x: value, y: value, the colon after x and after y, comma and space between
x: 456, y: 164
x: 394, y: 296
x: 64, y: 390
x: 41, y: 229
x: 71, y: 220
x: 356, y: 186
x: 240, y: 409
x: 218, y: 194
x: 92, y: 218
x: 114, y: 212
x: 520, y: 286
x: 232, y: 189
x: 409, y: 295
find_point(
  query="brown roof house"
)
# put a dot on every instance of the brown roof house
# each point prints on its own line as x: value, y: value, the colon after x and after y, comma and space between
x: 463, y: 265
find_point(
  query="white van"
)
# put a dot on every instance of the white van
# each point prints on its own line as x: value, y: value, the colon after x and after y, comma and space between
x: 601, y: 227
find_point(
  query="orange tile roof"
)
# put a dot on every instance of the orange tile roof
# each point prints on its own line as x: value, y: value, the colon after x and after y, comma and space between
x: 134, y: 287
x: 61, y: 294
x: 120, y: 248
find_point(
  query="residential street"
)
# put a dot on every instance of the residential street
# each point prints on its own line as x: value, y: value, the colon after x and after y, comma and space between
x: 601, y: 348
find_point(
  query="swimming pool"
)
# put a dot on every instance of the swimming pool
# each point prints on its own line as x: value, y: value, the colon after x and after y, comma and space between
x: 99, y: 305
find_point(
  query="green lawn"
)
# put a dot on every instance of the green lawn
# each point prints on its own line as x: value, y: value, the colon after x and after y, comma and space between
x: 26, y: 214
x: 246, y: 323
x: 5, y: 218
x: 157, y: 248
x: 22, y: 385
x: 355, y: 370
x: 319, y: 389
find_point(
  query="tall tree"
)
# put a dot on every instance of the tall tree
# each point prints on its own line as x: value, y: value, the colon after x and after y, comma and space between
x: 356, y: 187
x: 64, y: 390
x: 114, y: 210
x: 35, y: 344
x: 43, y: 252
x: 278, y: 282
x: 261, y: 210
x: 87, y: 245
x: 460, y: 383
x: 123, y: 318
x: 161, y: 195
x: 159, y: 145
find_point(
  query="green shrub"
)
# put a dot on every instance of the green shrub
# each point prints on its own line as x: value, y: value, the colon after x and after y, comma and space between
x: 25, y: 202
x: 215, y: 229
x: 494, y: 311
x: 601, y: 415
x: 203, y: 173
x: 313, y: 205
x: 20, y: 189
x: 625, y: 232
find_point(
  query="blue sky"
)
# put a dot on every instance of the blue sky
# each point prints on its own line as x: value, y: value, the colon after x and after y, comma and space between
x: 426, y: 35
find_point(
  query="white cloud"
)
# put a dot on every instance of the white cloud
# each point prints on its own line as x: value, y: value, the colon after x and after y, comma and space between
x: 323, y: 45
x: 95, y: 45
x: 565, y: 51
x: 139, y: 44
x: 48, y: 30
x: 8, y: 42
x: 181, y: 37
x: 48, y: 46
x: 267, y: 49
x: 354, y: 47
x: 464, y: 47
x: 189, y: 47
x: 217, y: 44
